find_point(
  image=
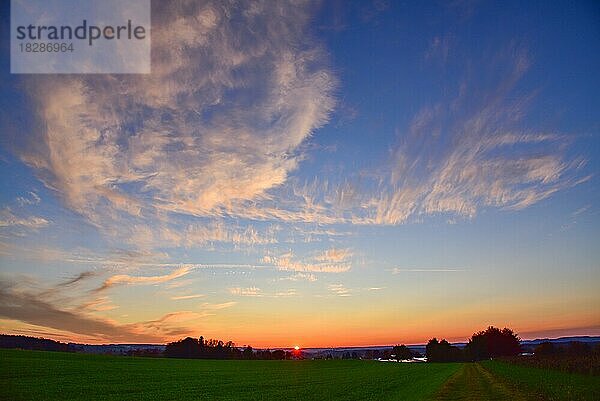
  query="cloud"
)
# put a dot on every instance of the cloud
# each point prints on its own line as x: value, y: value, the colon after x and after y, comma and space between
x: 398, y: 270
x: 470, y: 153
x: 216, y: 133
x: 146, y: 280
x: 183, y: 297
x: 8, y: 219
x: 31, y: 199
x: 50, y: 309
x: 220, y: 121
x: 197, y: 235
x: 101, y: 304
x: 330, y: 261
x: 205, y: 233
x: 288, y: 293
x: 339, y: 290
x: 257, y: 292
x: 26, y: 307
x: 222, y: 305
x: 458, y: 156
x: 176, y: 317
x: 246, y: 292
x: 334, y: 255
x: 78, y: 278
x: 299, y: 277
x: 121, y: 258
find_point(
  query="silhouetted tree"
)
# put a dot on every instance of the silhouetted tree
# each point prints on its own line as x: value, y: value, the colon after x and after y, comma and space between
x: 32, y: 343
x: 442, y: 351
x: 492, y: 343
x: 578, y: 348
x: 545, y: 349
x: 402, y: 352
x: 212, y: 349
x: 248, y: 353
x: 263, y: 354
x: 278, y: 354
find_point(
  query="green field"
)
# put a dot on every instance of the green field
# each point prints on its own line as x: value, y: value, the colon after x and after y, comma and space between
x: 546, y: 383
x: 34, y: 375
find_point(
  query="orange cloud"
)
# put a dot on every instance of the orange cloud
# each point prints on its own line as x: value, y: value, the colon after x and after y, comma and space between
x: 147, y: 280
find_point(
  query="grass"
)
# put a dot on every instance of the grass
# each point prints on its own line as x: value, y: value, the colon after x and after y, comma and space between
x: 473, y: 382
x: 546, y: 383
x: 585, y: 364
x: 36, y: 375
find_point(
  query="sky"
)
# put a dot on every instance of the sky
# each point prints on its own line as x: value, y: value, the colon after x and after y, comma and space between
x: 315, y: 174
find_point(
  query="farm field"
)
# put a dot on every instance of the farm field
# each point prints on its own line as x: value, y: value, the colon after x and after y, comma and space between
x: 37, y: 375
x: 492, y: 380
x: 546, y: 383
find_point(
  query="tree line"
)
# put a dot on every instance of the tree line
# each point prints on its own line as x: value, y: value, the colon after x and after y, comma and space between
x: 570, y: 357
x: 216, y: 349
x: 33, y: 343
x: 489, y: 343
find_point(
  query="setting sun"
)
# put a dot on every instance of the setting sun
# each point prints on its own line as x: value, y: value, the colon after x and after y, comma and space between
x: 297, y: 348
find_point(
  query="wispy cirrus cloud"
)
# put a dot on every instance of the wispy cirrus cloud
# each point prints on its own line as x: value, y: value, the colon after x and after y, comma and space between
x: 28, y: 307
x: 215, y: 232
x: 329, y: 261
x: 101, y: 304
x: 246, y: 292
x: 9, y: 219
x: 185, y: 297
x: 339, y: 290
x: 218, y: 130
x: 217, y: 306
x: 206, y: 233
x: 287, y: 293
x: 257, y: 292
x: 119, y: 279
x: 462, y: 154
x: 334, y: 255
x: 31, y: 198
x: 399, y: 270
x: 217, y: 124
x: 470, y: 153
x: 47, y: 308
x: 299, y: 276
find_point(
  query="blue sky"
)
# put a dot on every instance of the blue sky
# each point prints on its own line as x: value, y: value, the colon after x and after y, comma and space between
x: 343, y: 173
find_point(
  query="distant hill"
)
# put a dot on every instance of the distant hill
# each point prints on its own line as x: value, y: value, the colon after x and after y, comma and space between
x: 420, y: 348
x: 530, y: 345
x: 582, y: 339
x: 121, y: 349
x: 32, y: 343
x: 43, y: 344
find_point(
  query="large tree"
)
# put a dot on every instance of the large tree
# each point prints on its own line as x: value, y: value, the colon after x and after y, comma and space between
x: 442, y: 351
x: 401, y: 352
x: 493, y: 342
